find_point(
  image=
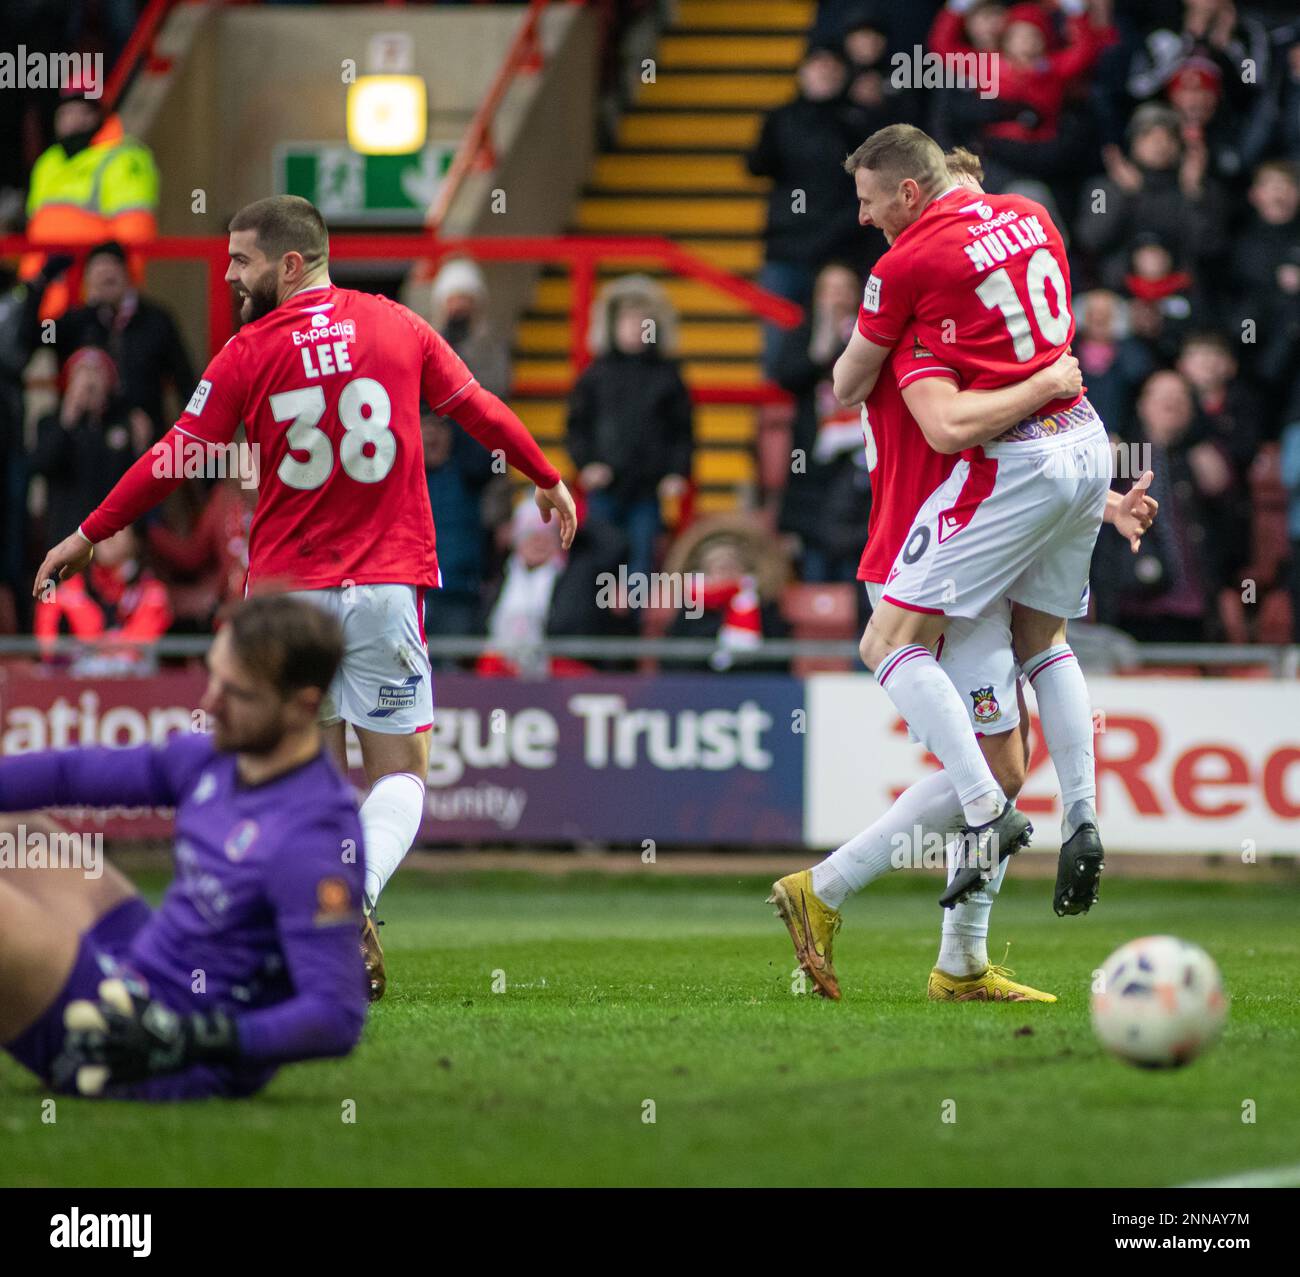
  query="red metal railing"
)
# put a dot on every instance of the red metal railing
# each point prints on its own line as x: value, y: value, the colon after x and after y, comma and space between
x: 476, y: 151
x: 137, y: 47
x: 582, y: 253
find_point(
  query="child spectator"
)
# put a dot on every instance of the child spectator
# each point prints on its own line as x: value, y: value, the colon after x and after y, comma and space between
x: 630, y: 417
x: 1114, y: 364
x: 116, y: 604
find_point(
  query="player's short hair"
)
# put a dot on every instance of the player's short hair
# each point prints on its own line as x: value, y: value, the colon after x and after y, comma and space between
x: 285, y: 224
x: 1208, y: 337
x: 964, y: 163
x: 1289, y: 170
x: 291, y: 643
x: 901, y: 151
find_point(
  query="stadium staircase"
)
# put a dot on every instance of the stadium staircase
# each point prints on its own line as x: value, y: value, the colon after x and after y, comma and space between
x: 678, y: 169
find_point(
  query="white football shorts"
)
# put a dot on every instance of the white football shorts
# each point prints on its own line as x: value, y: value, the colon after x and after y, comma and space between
x: 1018, y: 522
x: 975, y: 653
x: 385, y: 683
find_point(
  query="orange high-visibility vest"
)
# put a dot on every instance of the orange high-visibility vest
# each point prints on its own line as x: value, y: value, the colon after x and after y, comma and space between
x: 107, y: 191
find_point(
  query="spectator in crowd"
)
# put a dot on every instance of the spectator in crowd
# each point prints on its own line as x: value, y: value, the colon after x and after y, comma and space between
x: 1276, y: 312
x: 1211, y: 29
x: 1285, y: 98
x: 825, y: 482
x: 1114, y: 364
x: 812, y: 214
x: 459, y: 312
x: 1229, y: 406
x: 1229, y: 415
x: 908, y: 23
x: 1233, y: 145
x: 548, y: 593
x: 1164, y: 300
x: 95, y: 183
x: 1290, y: 475
x: 19, y: 337
x: 1037, y: 77
x: 1168, y: 591
x: 457, y: 468
x: 1157, y: 188
x: 141, y: 335
x: 968, y: 26
x: 727, y: 606
x: 872, y: 91
x: 630, y: 419
x: 1269, y: 235
x: 86, y: 446
x: 116, y: 604
x: 212, y: 559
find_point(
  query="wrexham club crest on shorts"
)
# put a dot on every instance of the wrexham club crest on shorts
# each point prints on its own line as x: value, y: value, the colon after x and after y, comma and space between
x: 987, y: 709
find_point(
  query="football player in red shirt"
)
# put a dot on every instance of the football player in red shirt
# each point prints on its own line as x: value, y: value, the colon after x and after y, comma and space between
x: 912, y: 456
x: 328, y: 384
x: 985, y: 279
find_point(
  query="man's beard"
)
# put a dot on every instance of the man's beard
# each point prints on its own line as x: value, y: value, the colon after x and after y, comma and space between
x: 258, y: 301
x: 257, y: 742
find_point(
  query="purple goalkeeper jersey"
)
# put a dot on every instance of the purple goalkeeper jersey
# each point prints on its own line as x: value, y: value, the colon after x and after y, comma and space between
x: 261, y: 919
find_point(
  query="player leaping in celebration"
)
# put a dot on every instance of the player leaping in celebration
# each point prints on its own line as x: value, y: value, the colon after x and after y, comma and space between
x: 251, y: 961
x: 985, y: 280
x: 328, y: 383
x: 913, y: 456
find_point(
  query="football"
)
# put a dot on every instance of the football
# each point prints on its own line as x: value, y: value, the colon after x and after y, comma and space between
x: 1158, y: 1002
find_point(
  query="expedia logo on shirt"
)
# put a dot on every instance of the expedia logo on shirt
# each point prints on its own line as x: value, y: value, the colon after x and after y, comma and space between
x: 322, y: 330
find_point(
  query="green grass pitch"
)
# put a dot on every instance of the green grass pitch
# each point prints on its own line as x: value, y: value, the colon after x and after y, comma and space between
x: 675, y: 991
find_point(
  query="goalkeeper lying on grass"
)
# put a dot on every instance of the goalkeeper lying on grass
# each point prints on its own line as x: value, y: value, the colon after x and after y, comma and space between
x: 252, y: 960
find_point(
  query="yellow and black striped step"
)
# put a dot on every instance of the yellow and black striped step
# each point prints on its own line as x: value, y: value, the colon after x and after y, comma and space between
x: 690, y: 130
x: 691, y: 297
x: 666, y: 215
x: 653, y: 173
x: 752, y: 52
x: 745, y: 15
x: 759, y: 89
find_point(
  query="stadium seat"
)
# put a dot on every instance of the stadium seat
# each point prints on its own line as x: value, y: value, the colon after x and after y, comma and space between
x: 821, y: 612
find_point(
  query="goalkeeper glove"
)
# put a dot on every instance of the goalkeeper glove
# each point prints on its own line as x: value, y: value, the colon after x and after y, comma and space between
x: 127, y: 1036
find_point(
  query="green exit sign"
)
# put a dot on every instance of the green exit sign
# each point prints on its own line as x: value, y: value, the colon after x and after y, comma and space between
x: 363, y: 189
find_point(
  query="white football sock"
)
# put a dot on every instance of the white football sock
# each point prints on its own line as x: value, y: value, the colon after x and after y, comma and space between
x: 390, y: 820
x: 1066, y: 715
x: 928, y: 806
x: 963, y: 946
x: 932, y: 707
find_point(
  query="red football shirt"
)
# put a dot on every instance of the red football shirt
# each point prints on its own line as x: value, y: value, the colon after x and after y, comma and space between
x: 986, y: 280
x: 328, y: 386
x: 906, y: 470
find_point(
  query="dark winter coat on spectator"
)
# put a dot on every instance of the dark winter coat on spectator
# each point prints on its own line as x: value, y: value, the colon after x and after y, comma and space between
x: 1198, y: 226
x: 632, y: 412
x: 802, y: 148
x: 1166, y: 591
x: 1258, y: 249
x: 146, y: 346
x: 80, y: 465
